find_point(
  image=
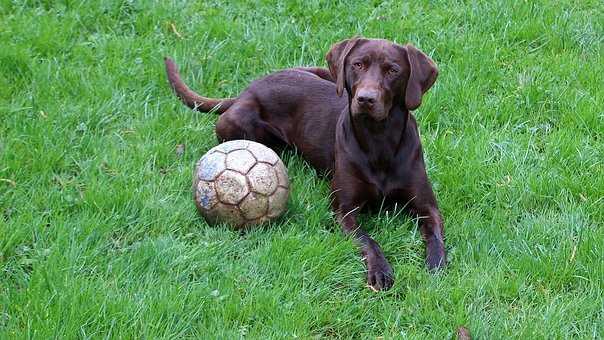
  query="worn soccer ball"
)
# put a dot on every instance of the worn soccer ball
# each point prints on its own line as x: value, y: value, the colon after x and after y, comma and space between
x: 241, y: 183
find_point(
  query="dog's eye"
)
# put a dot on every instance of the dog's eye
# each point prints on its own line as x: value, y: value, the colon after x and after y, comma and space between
x: 392, y: 71
x: 358, y: 65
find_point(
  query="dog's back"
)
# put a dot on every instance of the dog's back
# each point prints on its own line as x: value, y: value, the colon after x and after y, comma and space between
x: 301, y: 106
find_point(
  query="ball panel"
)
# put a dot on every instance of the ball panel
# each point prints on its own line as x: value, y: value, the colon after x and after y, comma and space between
x: 213, y: 150
x: 232, y: 145
x: 210, y: 166
x: 263, y: 153
x: 263, y: 178
x: 206, y: 195
x: 277, y: 202
x: 281, y: 171
x: 226, y: 213
x: 231, y: 187
x: 240, y: 160
x: 254, y: 206
x: 210, y: 216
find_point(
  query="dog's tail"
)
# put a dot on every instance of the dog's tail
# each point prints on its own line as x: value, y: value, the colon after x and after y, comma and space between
x: 189, y: 97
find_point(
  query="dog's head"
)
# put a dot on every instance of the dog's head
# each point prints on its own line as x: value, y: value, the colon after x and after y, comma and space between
x: 378, y: 74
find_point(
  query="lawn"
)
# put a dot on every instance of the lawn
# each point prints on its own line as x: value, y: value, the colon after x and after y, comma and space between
x: 99, y: 237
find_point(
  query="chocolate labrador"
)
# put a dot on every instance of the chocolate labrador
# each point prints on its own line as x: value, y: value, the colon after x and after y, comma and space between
x: 367, y: 139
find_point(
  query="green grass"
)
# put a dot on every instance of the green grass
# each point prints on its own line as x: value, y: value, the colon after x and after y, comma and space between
x: 99, y: 236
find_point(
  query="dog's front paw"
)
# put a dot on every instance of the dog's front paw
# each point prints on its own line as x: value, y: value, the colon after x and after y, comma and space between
x: 436, y: 257
x: 379, y: 274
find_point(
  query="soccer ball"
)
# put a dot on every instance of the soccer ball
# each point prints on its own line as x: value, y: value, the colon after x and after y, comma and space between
x: 241, y: 183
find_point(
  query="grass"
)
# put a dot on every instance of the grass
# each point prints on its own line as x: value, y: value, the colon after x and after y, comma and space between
x: 99, y: 236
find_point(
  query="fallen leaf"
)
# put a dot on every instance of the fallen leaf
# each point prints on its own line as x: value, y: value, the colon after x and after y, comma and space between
x: 173, y: 27
x: 372, y: 288
x: 9, y: 181
x: 180, y: 150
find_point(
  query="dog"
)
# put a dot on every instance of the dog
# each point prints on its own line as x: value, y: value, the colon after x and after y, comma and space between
x: 367, y: 140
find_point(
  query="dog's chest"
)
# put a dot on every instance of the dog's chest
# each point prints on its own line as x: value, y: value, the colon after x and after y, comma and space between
x: 385, y: 177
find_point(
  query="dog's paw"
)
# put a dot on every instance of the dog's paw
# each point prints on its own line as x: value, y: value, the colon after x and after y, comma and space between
x: 436, y: 258
x: 379, y: 274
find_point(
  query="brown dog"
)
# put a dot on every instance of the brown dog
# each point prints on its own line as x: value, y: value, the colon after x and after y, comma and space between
x: 368, y: 140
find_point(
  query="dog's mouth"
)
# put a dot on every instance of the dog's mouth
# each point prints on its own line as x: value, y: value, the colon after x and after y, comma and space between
x: 374, y: 113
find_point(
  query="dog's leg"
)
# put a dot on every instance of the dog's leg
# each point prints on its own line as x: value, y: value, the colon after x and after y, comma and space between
x: 379, y: 271
x: 242, y: 121
x: 237, y: 122
x: 431, y: 227
x: 421, y: 203
x: 319, y: 71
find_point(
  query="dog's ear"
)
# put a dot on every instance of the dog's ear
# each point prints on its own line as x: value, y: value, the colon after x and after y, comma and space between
x: 422, y: 75
x: 336, y: 60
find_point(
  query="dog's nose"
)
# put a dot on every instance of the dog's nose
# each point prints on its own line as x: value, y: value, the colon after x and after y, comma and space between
x: 367, y: 97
